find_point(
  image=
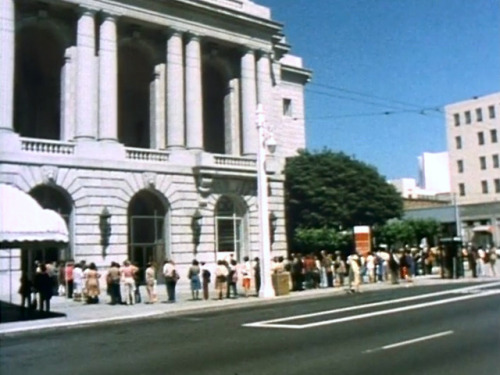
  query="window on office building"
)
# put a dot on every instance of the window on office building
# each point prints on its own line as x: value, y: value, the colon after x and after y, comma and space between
x: 458, y: 142
x: 491, y: 111
x: 496, y: 161
x: 484, y: 187
x: 460, y: 166
x: 456, y: 116
x: 287, y: 107
x: 479, y: 114
x: 461, y: 189
x: 494, y: 136
x: 482, y: 162
x: 468, y: 118
x: 497, y: 185
x: 480, y: 138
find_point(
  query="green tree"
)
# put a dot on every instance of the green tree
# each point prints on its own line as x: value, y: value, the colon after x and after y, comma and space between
x: 397, y: 233
x: 332, y: 190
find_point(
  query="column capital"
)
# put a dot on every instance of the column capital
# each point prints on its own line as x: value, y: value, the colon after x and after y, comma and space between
x: 171, y: 32
x: 107, y: 16
x: 245, y: 50
x: 86, y: 11
x: 191, y: 36
x: 261, y: 53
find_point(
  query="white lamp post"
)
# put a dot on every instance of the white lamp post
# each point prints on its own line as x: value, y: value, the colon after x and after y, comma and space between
x: 266, y: 141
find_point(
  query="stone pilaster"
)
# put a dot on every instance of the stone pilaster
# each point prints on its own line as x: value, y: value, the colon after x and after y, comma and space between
x: 86, y: 129
x: 194, y: 104
x: 108, y: 80
x: 264, y: 83
x: 7, y: 41
x: 175, y: 91
x: 248, y: 103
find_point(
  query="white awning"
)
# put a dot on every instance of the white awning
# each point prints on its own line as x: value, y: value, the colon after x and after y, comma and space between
x: 483, y: 228
x: 24, y: 221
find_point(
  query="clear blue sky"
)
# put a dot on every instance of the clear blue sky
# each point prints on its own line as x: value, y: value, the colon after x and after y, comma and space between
x: 417, y: 55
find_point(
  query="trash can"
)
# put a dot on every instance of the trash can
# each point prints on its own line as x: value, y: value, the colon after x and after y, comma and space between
x: 281, y: 283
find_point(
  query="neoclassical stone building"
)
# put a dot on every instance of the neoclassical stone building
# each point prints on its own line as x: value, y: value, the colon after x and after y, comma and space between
x: 135, y: 120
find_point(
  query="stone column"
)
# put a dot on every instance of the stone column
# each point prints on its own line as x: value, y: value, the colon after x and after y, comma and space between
x: 86, y: 129
x: 194, y: 101
x: 175, y: 91
x: 248, y: 103
x: 7, y: 41
x: 264, y: 85
x: 68, y: 84
x: 108, y: 80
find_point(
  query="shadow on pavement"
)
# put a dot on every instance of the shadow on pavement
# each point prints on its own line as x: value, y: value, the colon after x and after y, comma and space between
x: 13, y: 313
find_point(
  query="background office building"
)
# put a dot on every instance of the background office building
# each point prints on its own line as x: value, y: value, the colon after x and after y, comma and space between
x: 135, y: 121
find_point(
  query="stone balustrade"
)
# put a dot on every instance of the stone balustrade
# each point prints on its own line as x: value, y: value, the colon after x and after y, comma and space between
x: 234, y: 161
x: 47, y: 146
x: 146, y: 155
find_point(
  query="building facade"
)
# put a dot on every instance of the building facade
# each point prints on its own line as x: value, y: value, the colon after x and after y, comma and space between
x: 135, y: 120
x: 473, y: 128
x: 473, y: 132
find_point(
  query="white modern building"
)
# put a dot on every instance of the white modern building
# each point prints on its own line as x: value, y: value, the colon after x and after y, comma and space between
x: 434, y: 172
x: 473, y: 133
x: 135, y: 120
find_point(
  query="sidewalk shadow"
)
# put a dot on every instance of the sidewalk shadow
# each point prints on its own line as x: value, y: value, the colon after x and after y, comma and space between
x: 13, y: 313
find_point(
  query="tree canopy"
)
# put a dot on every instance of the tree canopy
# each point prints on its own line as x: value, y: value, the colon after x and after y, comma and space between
x: 332, y: 190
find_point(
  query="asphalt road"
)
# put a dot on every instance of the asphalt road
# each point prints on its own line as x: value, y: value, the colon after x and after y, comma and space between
x: 400, y: 331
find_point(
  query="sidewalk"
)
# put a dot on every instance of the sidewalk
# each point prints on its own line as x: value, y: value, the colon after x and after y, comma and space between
x: 80, y: 314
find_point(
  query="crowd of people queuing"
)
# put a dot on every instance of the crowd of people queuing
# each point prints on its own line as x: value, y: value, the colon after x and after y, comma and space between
x: 82, y: 282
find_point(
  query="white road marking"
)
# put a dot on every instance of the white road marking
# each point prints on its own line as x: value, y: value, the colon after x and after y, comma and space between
x: 409, y: 342
x: 271, y: 323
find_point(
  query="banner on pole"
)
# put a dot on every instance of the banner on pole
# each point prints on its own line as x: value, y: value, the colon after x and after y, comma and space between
x: 362, y: 240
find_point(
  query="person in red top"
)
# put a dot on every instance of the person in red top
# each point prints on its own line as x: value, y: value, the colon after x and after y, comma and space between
x: 68, y: 275
x: 309, y: 267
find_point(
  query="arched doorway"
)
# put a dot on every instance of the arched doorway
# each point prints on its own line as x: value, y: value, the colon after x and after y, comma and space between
x: 135, y: 74
x: 147, y: 215
x: 230, y: 228
x: 215, y: 87
x: 53, y: 199
x: 39, y: 60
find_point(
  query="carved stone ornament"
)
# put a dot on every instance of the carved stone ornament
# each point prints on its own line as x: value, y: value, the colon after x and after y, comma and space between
x: 149, y: 179
x: 205, y: 185
x: 49, y: 174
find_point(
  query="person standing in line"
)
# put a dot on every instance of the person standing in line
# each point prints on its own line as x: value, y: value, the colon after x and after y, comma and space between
x: 92, y: 283
x: 25, y: 290
x: 256, y: 272
x: 393, y: 264
x: 77, y: 283
x: 232, y: 279
x: 113, y: 279
x: 150, y: 278
x: 339, y: 268
x: 68, y: 276
x: 221, y: 273
x: 354, y: 273
x: 194, y: 278
x: 61, y: 290
x: 171, y: 278
x: 205, y: 275
x: 246, y: 273
x: 127, y: 275
x: 43, y: 284
x: 492, y: 260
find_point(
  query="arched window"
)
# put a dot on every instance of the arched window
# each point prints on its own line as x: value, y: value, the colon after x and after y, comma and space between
x: 53, y: 199
x: 230, y: 229
x: 147, y: 229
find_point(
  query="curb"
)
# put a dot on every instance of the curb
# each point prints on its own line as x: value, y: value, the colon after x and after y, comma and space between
x: 53, y: 325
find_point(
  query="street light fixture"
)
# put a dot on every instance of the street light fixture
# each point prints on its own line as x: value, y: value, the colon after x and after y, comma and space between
x: 266, y: 140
